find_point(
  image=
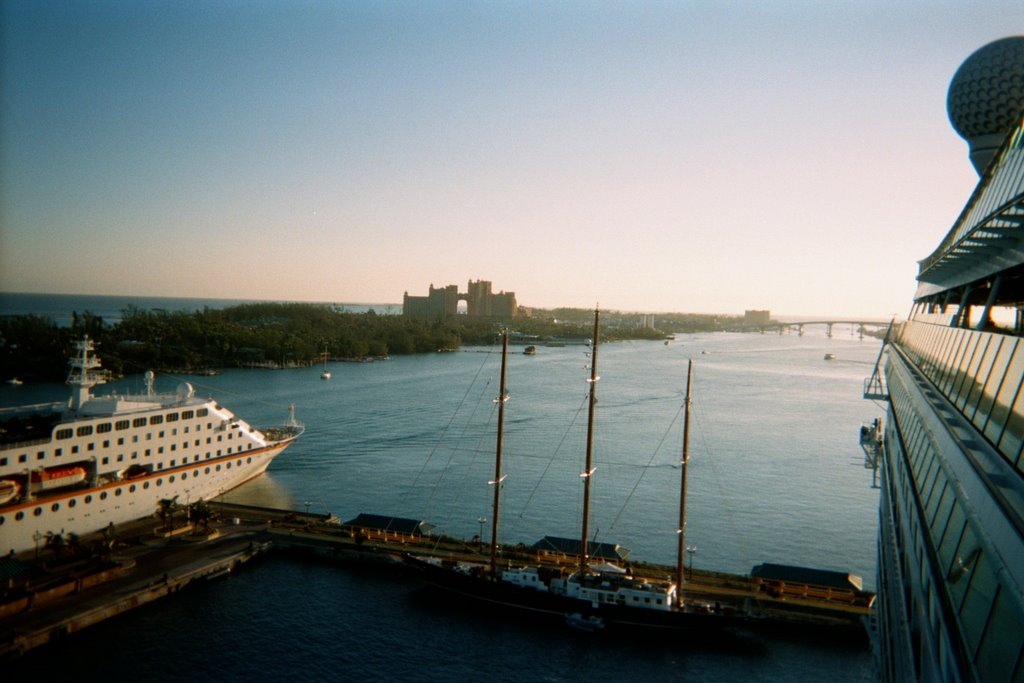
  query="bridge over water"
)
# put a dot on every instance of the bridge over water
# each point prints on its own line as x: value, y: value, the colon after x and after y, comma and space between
x: 860, y: 328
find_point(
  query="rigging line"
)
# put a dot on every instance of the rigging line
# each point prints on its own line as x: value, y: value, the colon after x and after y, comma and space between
x: 712, y: 461
x: 461, y: 487
x: 444, y: 432
x: 451, y: 452
x: 551, y: 460
x: 221, y: 390
x: 643, y: 471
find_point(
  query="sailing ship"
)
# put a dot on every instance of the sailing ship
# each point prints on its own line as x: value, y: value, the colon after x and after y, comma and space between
x: 78, y: 466
x: 325, y: 373
x: 592, y: 596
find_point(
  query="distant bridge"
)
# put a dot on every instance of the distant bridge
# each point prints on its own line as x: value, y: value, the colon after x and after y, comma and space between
x: 858, y: 327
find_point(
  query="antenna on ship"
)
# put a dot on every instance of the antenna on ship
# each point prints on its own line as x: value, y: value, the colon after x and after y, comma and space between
x: 85, y: 373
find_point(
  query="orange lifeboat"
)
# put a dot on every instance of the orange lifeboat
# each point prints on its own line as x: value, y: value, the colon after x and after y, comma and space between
x: 56, y: 477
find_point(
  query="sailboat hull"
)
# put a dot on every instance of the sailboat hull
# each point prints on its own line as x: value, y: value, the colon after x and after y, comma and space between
x: 476, y: 586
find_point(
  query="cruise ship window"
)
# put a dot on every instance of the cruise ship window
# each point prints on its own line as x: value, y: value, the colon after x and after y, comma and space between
x: 120, y: 441
x: 23, y: 457
x: 1010, y: 443
x: 964, y: 388
x: 961, y: 570
x: 951, y: 537
x: 994, y: 383
x: 1004, y: 639
x: 106, y: 461
x: 984, y: 369
x: 40, y: 455
x: 978, y: 603
x: 74, y: 449
x: 1013, y: 377
x: 3, y: 462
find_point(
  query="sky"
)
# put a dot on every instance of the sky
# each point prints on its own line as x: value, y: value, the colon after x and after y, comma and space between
x: 682, y: 156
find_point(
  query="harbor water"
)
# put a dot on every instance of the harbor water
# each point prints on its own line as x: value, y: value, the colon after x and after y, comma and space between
x: 776, y: 475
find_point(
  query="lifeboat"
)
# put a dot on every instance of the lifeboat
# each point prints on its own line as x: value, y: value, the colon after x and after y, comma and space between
x: 56, y: 477
x: 8, y: 490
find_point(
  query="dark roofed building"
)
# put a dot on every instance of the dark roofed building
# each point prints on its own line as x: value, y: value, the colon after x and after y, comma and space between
x: 814, y: 577
x: 401, y: 525
x: 571, y: 546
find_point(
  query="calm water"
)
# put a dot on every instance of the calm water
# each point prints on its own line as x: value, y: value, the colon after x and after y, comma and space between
x: 776, y: 476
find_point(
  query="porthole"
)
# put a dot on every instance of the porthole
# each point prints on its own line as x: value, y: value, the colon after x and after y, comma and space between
x: 103, y: 495
x: 184, y: 476
x: 117, y: 492
x: 88, y: 499
x: 159, y: 482
x: 206, y: 471
x: 170, y: 479
x: 2, y: 520
x: 145, y: 484
x: 18, y: 516
x: 55, y: 507
x: 131, y: 489
x: 37, y: 512
x: 249, y: 459
x: 73, y: 502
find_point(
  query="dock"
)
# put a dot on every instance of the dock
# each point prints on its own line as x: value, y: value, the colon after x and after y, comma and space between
x: 45, y: 603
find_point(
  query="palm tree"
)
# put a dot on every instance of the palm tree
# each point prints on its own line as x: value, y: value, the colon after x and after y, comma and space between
x: 56, y: 543
x: 167, y: 507
x: 201, y: 514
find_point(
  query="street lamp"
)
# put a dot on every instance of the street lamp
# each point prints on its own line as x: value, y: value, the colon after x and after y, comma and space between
x: 480, y: 538
x: 691, y: 549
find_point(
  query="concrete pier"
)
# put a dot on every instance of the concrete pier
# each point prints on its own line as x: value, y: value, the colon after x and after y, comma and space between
x: 147, y: 566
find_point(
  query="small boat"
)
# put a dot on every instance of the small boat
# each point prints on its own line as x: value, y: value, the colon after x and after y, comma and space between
x: 56, y: 477
x: 14, y: 381
x: 325, y: 373
x: 8, y: 490
x: 530, y: 351
x: 830, y: 356
x: 588, y: 624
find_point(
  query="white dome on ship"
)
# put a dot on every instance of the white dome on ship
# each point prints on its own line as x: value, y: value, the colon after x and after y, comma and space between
x: 185, y: 391
x: 986, y: 97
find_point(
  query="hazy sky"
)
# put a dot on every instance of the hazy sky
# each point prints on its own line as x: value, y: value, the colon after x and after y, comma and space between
x: 655, y: 156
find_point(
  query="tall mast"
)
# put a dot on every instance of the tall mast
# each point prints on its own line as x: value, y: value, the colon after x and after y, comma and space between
x: 502, y: 398
x: 682, y: 487
x: 589, y: 469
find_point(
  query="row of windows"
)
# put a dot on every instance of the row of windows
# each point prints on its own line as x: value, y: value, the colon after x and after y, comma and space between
x: 981, y: 373
x: 58, y: 452
x: 966, y: 580
x: 120, y: 425
x: 88, y: 498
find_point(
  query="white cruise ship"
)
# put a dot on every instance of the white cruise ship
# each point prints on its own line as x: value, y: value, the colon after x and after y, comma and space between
x: 78, y: 467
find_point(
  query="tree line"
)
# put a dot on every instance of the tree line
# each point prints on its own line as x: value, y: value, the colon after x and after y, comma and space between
x: 35, y: 348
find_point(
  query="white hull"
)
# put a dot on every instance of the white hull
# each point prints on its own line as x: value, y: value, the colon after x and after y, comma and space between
x: 126, y: 501
x: 127, y: 452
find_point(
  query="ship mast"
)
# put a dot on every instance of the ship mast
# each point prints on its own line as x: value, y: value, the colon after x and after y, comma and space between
x: 589, y: 469
x: 682, y: 488
x: 502, y: 399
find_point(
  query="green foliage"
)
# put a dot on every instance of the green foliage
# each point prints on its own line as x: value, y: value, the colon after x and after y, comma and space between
x: 283, y: 334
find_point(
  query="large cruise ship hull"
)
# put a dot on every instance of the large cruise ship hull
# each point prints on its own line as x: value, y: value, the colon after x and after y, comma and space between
x: 105, y: 460
x: 90, y: 509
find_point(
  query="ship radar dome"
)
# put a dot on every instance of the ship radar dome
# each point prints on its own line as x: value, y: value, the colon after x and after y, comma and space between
x: 986, y: 97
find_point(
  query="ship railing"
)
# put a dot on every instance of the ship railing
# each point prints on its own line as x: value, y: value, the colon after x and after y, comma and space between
x: 22, y: 443
x: 33, y: 408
